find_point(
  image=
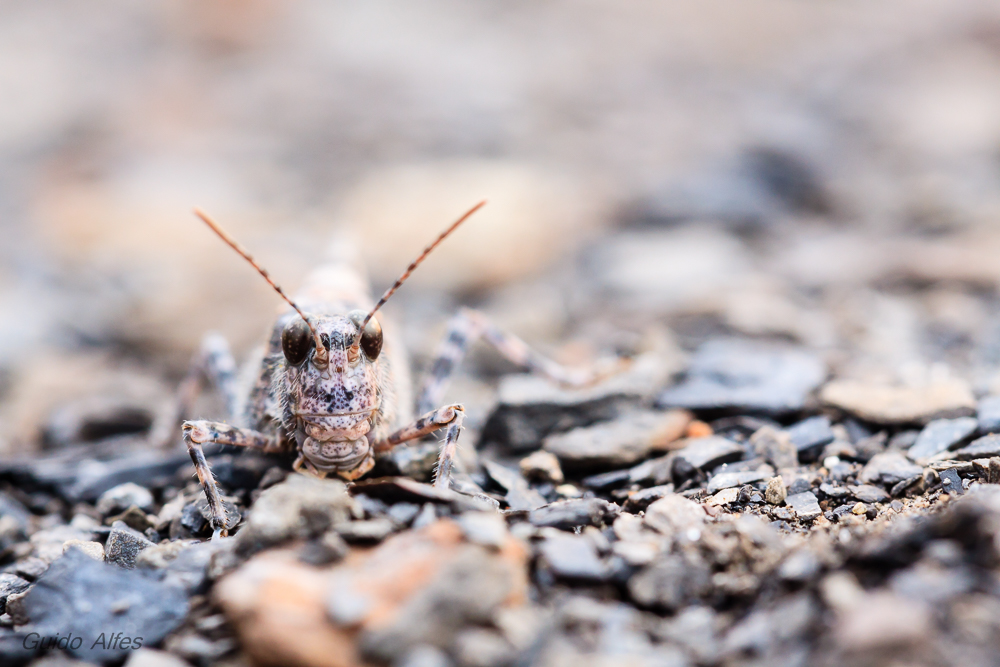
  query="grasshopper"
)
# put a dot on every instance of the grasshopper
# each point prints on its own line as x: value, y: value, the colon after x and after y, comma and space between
x: 332, y: 388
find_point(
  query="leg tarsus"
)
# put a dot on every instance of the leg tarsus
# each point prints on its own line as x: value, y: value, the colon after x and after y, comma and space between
x: 449, y: 449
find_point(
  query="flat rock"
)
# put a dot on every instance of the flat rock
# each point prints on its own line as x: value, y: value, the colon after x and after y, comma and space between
x: 888, y: 468
x: 725, y: 480
x: 529, y: 407
x: 670, y: 582
x: 81, y: 596
x: 951, y: 482
x: 890, y: 404
x: 727, y: 496
x: 417, y: 588
x: 809, y: 436
x: 571, y: 514
x: 805, y: 505
x: 869, y: 494
x: 985, y: 447
x: 711, y: 451
x: 941, y: 435
x: 10, y: 584
x: 619, y: 442
x: 123, y: 496
x: 748, y: 376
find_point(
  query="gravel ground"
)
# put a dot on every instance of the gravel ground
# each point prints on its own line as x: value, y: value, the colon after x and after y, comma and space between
x: 784, y: 216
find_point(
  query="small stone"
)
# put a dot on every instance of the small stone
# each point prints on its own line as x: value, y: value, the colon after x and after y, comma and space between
x: 571, y: 514
x: 674, y: 514
x: 809, y: 436
x: 799, y: 485
x: 93, y: 549
x: 888, y: 468
x: 886, y: 404
x: 775, y: 493
x: 31, y: 568
x: 951, y: 482
x: 123, y: 496
x: 805, y: 505
x: 869, y: 494
x: 782, y: 514
x: 542, y: 466
x: 941, y: 435
x: 994, y: 473
x: 300, y: 507
x: 133, y: 517
x: 620, y: 442
x: 147, y: 657
x: 366, y: 531
x: 748, y: 376
x: 985, y: 447
x: 11, y: 584
x: 725, y: 480
x: 520, y: 496
x: 698, y: 429
x: 670, y: 582
x: 486, y: 528
x: 573, y: 557
x: 710, y: 452
x: 859, y: 509
x: 801, y: 566
x: 725, y: 497
x: 124, y: 545
x: 640, y: 500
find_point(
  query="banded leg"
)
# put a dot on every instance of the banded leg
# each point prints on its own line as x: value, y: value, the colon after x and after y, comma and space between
x: 198, y: 433
x: 465, y: 328
x: 450, y: 417
x: 213, y: 362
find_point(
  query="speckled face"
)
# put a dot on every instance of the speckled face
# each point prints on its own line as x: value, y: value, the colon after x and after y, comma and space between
x: 334, y: 407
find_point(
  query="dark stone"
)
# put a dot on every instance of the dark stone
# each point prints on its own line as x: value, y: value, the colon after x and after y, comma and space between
x: 988, y: 414
x: 529, y: 409
x: 899, y: 488
x: 941, y: 435
x: 90, y: 599
x: 799, y: 485
x: 888, y: 468
x: 670, y: 582
x: 519, y: 496
x: 951, y: 482
x: 728, y: 480
x: 985, y: 447
x: 573, y: 557
x: 10, y: 583
x: 805, y: 505
x: 866, y: 449
x: 608, y: 480
x: 124, y: 545
x: 640, y: 500
x: 810, y: 435
x: 330, y: 548
x: 403, y: 513
x: 711, y: 451
x: 571, y: 514
x: 401, y: 489
x: 831, y: 491
x: 904, y: 439
x: 868, y: 494
x: 748, y: 376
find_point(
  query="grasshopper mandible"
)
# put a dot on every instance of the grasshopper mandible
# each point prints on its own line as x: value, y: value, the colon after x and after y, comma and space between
x: 332, y: 388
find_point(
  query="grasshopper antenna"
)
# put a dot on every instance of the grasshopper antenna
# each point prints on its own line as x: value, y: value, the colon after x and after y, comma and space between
x: 409, y: 270
x: 321, y: 357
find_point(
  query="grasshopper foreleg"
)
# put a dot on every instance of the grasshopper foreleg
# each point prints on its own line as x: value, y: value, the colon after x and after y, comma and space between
x: 214, y: 362
x: 198, y: 433
x: 450, y: 417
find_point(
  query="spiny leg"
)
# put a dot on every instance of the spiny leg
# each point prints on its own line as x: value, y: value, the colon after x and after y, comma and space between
x: 450, y: 417
x: 198, y: 433
x: 213, y: 362
x: 466, y: 327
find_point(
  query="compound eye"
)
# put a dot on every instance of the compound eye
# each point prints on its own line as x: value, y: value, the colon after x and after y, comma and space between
x: 371, y: 337
x: 296, y: 342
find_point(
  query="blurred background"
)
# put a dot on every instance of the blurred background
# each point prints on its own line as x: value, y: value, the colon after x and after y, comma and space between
x: 826, y: 173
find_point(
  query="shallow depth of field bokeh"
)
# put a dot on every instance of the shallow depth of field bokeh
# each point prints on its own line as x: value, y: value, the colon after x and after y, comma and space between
x: 825, y: 172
